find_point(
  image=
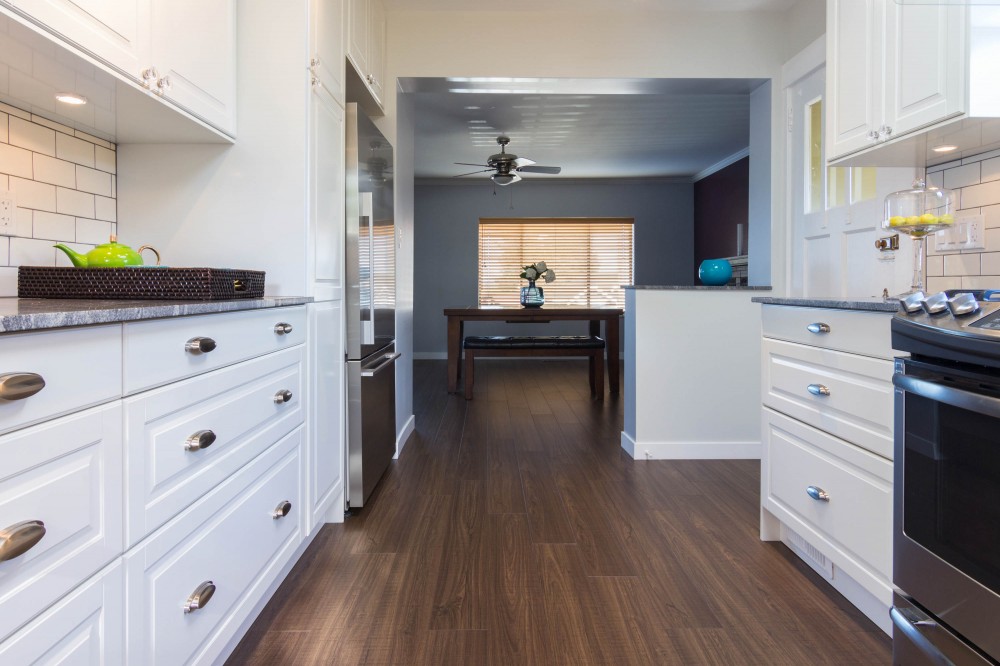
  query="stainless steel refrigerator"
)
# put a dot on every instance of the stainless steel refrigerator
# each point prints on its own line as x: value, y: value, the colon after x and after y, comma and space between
x: 370, y: 300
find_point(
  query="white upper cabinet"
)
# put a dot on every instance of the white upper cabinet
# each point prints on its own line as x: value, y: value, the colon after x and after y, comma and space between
x: 891, y: 69
x: 193, y: 50
x: 326, y: 46
x: 366, y: 26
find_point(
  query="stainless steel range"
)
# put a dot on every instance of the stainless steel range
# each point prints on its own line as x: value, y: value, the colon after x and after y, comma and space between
x: 946, y: 545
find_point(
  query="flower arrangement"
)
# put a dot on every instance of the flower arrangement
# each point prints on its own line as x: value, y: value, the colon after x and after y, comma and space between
x: 538, y: 270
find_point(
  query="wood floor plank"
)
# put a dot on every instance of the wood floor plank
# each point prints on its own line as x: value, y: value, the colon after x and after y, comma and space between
x: 515, y: 530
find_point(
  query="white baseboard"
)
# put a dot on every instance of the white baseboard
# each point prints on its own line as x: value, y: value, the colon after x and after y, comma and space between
x: 690, y: 450
x: 408, y: 428
x: 430, y: 356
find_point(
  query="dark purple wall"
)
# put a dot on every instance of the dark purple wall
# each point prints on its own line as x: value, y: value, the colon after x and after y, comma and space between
x: 720, y: 203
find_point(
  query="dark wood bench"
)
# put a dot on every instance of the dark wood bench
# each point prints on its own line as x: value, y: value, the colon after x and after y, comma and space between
x: 541, y: 345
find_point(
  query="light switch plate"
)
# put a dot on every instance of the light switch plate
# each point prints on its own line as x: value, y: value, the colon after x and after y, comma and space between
x: 966, y: 233
x: 8, y: 210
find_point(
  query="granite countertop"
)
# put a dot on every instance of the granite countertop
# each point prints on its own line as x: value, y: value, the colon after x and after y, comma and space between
x: 696, y: 287
x: 28, y: 314
x: 871, y: 304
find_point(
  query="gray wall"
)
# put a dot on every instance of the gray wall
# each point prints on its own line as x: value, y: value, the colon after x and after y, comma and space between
x: 759, y: 234
x: 446, y: 236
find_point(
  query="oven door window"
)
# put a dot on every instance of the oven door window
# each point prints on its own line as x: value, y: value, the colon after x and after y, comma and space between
x: 951, y: 503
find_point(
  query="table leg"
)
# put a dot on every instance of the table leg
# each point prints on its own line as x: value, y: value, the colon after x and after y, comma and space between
x: 454, y: 352
x: 611, y: 340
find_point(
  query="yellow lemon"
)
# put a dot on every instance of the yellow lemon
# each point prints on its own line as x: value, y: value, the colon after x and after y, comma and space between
x: 947, y: 219
x: 913, y: 219
x: 928, y: 218
x: 896, y: 220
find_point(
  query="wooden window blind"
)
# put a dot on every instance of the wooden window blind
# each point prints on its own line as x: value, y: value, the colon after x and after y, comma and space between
x: 591, y: 257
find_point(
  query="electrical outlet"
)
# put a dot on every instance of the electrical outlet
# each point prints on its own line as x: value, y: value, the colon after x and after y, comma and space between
x: 966, y: 233
x: 7, y: 212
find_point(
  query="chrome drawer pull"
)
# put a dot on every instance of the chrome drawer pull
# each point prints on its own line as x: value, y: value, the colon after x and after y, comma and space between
x: 818, y: 327
x: 199, y: 345
x: 818, y: 389
x: 20, y: 385
x: 200, y: 440
x: 818, y: 494
x: 281, y: 328
x: 19, y: 538
x: 281, y: 510
x: 200, y: 597
x: 283, y: 396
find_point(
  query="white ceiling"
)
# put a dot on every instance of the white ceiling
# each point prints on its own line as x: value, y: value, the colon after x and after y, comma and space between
x: 590, y: 128
x: 590, y: 5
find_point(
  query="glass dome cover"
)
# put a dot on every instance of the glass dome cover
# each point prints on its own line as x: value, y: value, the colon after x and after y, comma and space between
x: 920, y: 210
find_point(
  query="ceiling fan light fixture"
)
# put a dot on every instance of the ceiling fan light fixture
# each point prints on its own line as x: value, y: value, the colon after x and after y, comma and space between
x: 505, y: 178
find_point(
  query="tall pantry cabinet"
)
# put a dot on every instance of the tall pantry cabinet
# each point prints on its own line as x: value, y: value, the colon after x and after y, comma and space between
x: 273, y: 200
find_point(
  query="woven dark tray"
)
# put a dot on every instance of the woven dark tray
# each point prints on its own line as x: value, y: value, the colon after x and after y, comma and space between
x: 139, y: 283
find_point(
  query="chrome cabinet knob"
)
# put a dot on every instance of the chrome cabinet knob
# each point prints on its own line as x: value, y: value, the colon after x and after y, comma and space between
x: 200, y: 440
x: 885, y: 131
x: 818, y: 327
x: 200, y: 597
x: 281, y: 328
x: 19, y: 538
x: 872, y: 135
x: 281, y: 510
x: 20, y: 385
x: 199, y: 345
x: 818, y: 493
x: 163, y: 85
x: 283, y: 396
x: 314, y: 62
x: 818, y: 389
x: 147, y: 76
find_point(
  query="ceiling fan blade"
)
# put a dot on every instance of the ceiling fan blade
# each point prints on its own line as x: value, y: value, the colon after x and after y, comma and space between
x: 471, y: 164
x: 523, y: 162
x: 540, y: 169
x: 472, y: 173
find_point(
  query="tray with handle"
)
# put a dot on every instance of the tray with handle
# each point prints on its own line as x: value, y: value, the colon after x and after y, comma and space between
x: 139, y: 283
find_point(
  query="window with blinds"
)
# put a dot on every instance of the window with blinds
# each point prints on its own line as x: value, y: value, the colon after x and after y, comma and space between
x: 591, y: 257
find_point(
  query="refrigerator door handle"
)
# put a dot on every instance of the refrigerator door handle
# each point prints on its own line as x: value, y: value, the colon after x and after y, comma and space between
x: 387, y: 360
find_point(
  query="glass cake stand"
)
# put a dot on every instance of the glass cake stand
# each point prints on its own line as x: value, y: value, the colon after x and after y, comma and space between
x: 918, y: 213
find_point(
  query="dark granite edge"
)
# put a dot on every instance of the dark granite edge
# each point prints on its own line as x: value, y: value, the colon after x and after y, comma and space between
x: 696, y: 287
x: 39, y: 314
x: 869, y: 305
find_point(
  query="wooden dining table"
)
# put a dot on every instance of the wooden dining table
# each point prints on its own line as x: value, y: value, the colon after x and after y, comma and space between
x: 458, y: 316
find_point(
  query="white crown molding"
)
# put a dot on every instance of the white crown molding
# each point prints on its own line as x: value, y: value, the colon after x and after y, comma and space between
x: 721, y: 164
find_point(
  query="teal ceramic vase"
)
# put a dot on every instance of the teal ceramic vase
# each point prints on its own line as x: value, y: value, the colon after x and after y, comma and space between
x: 715, y: 272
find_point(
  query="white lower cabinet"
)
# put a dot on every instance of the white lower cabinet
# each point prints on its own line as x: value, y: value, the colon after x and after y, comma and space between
x: 85, y: 627
x: 235, y: 539
x: 62, y: 481
x: 826, y: 462
x: 326, y: 423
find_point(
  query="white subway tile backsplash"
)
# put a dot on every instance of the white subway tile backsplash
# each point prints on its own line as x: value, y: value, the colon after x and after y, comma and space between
x: 942, y: 167
x: 962, y: 176
x: 53, y: 226
x: 982, y: 157
x: 74, y: 202
x: 93, y: 139
x: 15, y: 161
x: 93, y: 231
x: 984, y: 194
x: 14, y: 111
x: 107, y: 209
x: 991, y: 263
x: 8, y: 280
x: 57, y: 172
x: 990, y: 170
x: 991, y: 215
x: 105, y: 159
x: 4, y: 250
x: 26, y: 134
x: 3, y: 128
x: 935, y: 179
x: 32, y: 252
x: 992, y: 238
x: 961, y: 264
x: 935, y: 266
x: 93, y: 181
x: 34, y: 195
x: 23, y: 222
x: 74, y: 149
x: 980, y: 282
x: 51, y: 124
x: 936, y: 284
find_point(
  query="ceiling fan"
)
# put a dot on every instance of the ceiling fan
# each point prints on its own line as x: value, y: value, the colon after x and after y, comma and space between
x: 506, y: 166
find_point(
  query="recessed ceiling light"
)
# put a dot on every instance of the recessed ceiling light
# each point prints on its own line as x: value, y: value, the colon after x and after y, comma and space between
x: 947, y: 148
x: 71, y: 98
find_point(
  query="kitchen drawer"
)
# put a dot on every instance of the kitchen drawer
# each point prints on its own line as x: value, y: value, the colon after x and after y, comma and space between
x: 81, y: 367
x: 230, y: 538
x: 859, y: 406
x: 156, y: 351
x: 857, y: 519
x: 85, y: 627
x: 67, y: 474
x: 236, y: 404
x: 852, y: 331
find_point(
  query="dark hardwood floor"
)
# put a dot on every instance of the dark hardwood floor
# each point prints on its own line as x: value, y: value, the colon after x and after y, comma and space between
x: 514, y: 530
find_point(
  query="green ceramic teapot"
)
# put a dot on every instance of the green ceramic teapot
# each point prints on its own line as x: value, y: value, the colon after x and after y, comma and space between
x: 108, y: 255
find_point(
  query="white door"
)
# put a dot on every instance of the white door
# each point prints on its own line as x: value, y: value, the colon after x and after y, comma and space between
x: 194, y: 44
x: 854, y: 71
x: 326, y: 34
x: 325, y: 484
x: 326, y: 190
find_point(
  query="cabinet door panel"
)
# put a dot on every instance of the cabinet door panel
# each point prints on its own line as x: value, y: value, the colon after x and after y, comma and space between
x: 326, y: 426
x: 357, y: 35
x: 327, y: 50
x: 854, y: 61
x: 194, y: 44
x: 925, y: 65
x: 326, y: 183
x: 376, y: 49
x: 110, y: 30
